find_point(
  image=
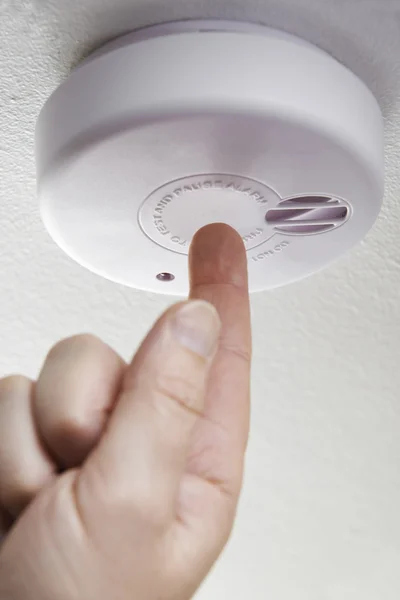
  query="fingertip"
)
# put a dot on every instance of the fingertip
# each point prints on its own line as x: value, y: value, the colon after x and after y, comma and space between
x: 217, y: 230
x: 218, y: 255
x: 217, y: 237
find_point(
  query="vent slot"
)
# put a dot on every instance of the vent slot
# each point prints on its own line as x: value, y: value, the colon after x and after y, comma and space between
x: 308, y: 215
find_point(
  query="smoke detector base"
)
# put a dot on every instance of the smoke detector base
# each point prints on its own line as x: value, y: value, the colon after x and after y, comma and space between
x: 176, y: 126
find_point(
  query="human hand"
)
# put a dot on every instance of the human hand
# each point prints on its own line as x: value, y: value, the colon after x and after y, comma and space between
x: 122, y: 481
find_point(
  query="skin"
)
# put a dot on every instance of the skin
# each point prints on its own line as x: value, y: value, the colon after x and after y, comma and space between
x: 122, y: 481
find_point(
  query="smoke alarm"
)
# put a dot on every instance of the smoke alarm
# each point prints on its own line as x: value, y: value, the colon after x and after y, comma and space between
x: 176, y: 126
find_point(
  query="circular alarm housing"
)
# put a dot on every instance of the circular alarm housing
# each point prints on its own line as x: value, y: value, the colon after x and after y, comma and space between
x: 176, y: 126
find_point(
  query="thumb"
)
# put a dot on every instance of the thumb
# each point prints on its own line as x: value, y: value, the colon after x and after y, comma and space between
x: 143, y: 452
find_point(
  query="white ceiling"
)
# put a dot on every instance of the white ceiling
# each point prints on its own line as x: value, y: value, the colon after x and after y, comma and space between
x: 320, y: 516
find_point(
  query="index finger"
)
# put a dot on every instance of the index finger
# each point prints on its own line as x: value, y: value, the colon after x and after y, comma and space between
x: 218, y: 267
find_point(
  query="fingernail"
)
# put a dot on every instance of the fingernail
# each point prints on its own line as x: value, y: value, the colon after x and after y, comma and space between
x: 197, y: 327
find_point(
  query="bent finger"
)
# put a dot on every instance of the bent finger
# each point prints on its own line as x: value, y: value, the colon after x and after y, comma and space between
x: 75, y: 392
x: 25, y: 467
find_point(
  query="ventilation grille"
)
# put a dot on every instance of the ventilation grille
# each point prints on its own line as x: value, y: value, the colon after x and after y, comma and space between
x: 308, y: 215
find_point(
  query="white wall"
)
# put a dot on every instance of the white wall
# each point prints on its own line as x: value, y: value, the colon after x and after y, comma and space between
x: 320, y: 516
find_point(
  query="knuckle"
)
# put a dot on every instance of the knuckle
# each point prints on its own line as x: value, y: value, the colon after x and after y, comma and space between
x: 72, y: 428
x: 180, y: 390
x: 18, y: 489
x: 238, y: 352
x: 71, y: 439
x: 82, y: 342
x: 14, y: 384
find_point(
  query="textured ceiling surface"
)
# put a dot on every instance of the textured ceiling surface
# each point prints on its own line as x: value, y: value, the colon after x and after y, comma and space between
x: 320, y: 517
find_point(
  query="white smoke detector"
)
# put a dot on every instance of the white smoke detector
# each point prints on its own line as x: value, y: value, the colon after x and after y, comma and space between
x: 176, y: 126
